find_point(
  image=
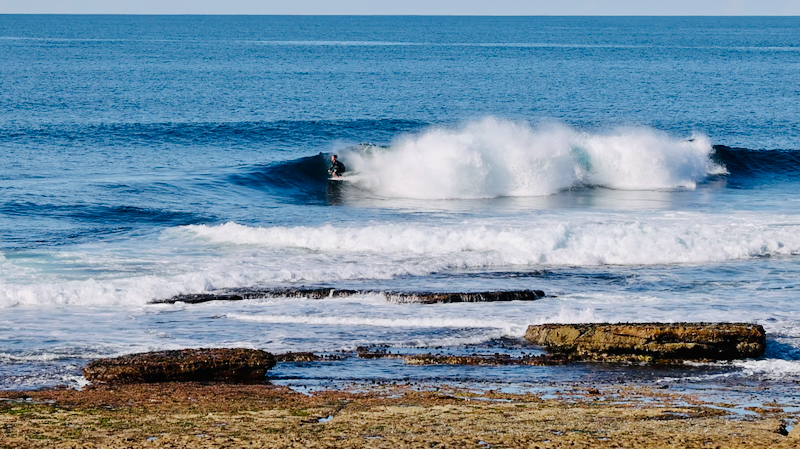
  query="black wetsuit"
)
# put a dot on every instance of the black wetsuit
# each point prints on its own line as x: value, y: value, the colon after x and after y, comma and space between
x: 337, y: 168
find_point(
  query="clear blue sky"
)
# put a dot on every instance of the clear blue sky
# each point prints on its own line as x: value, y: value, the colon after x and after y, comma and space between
x: 432, y: 7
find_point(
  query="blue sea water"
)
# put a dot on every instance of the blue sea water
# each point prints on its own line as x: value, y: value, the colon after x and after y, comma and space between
x: 635, y: 169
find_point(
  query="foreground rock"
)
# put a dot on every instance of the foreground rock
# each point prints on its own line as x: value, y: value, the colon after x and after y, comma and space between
x: 240, y: 294
x: 199, y: 365
x: 200, y: 416
x: 651, y: 342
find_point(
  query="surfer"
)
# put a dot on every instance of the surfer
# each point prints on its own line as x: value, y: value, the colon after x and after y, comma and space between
x: 337, y: 168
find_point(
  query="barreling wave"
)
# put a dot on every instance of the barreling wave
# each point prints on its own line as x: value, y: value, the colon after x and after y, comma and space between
x: 305, y: 176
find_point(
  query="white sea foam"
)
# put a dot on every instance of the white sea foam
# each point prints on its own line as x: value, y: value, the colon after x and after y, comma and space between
x: 769, y: 368
x: 772, y: 369
x: 89, y: 292
x: 568, y: 315
x: 431, y: 330
x: 405, y: 322
x: 492, y: 158
x: 234, y: 255
x: 680, y: 239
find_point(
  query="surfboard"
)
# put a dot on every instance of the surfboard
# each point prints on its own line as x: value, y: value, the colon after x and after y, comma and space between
x: 348, y: 177
x: 345, y: 177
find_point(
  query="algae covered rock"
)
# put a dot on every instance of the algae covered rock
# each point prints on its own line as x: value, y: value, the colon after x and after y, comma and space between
x: 297, y: 357
x: 222, y: 365
x: 498, y: 359
x: 651, y: 342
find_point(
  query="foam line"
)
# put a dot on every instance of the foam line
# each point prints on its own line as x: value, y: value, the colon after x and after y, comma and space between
x: 688, y: 238
x: 415, y: 322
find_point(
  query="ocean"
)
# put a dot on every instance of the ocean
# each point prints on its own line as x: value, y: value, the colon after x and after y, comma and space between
x: 635, y: 169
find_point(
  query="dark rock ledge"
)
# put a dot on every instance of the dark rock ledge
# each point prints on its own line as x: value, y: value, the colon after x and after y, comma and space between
x: 240, y: 294
x: 221, y: 365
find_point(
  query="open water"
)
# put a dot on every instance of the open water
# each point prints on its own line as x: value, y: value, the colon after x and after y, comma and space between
x: 637, y: 169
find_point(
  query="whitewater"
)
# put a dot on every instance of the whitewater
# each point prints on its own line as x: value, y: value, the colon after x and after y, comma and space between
x: 593, y: 160
x: 494, y: 158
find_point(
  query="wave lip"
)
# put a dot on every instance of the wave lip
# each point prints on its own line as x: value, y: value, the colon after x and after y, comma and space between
x: 493, y: 158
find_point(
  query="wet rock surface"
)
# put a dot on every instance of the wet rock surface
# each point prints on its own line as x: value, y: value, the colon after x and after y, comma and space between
x: 651, y: 342
x: 297, y: 357
x: 473, y: 359
x: 499, y: 359
x: 320, y: 293
x: 196, y: 365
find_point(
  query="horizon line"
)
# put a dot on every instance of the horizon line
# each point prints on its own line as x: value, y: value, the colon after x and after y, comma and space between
x: 375, y: 15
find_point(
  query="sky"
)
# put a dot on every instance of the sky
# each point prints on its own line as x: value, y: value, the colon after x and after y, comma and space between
x: 409, y: 7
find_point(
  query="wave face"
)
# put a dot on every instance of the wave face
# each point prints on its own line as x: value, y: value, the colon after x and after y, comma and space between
x: 304, y: 178
x: 494, y: 158
x: 746, y: 163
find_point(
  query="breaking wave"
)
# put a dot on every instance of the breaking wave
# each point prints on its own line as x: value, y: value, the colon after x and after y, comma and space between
x: 494, y: 158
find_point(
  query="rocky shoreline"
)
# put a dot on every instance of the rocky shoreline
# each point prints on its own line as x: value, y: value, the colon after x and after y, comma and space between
x: 658, y: 343
x: 199, y: 398
x: 226, y: 415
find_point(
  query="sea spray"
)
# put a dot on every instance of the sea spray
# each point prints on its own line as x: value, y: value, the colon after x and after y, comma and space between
x: 493, y: 158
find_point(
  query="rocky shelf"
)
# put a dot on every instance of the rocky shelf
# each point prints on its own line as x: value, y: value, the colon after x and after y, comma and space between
x: 670, y: 343
x: 651, y: 342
